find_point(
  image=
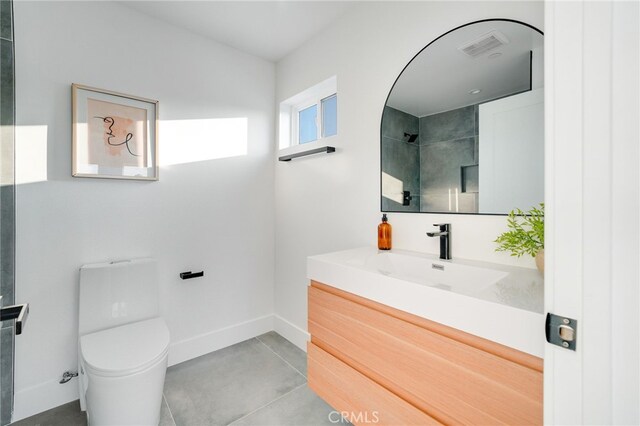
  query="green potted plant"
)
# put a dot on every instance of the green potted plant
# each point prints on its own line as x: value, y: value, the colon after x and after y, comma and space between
x: 525, y: 234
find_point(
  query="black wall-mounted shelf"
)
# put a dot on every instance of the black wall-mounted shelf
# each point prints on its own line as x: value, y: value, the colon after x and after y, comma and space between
x: 327, y: 149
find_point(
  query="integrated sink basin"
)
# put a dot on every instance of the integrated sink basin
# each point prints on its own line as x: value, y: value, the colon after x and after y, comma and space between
x: 446, y: 275
x: 498, y: 302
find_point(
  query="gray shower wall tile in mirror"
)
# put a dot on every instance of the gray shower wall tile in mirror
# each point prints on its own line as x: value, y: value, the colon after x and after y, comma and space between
x: 7, y: 207
x: 396, y: 123
x: 400, y: 158
x: 448, y: 143
x: 6, y: 27
x: 449, y: 125
x: 7, y: 340
x: 432, y: 165
x: 6, y: 82
x: 7, y: 181
x: 441, y: 174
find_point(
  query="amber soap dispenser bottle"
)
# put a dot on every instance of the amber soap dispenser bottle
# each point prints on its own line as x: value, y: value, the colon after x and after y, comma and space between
x: 384, y: 234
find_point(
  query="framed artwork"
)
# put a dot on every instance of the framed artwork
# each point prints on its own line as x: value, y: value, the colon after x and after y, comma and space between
x: 115, y: 136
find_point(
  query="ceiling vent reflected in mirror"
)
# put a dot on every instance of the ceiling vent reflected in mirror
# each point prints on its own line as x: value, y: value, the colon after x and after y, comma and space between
x: 484, y: 44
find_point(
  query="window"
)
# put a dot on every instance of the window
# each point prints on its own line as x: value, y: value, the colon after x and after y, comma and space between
x: 321, y: 116
x: 310, y: 116
x: 307, y: 129
x: 330, y: 116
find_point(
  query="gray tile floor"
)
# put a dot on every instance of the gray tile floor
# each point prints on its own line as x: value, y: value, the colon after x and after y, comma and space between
x: 261, y: 381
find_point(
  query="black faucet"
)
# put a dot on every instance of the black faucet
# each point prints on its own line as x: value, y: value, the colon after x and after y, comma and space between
x: 445, y: 241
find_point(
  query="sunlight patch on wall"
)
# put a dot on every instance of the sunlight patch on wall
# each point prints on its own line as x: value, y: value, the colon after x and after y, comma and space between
x: 392, y: 188
x: 31, y: 154
x: 188, y: 141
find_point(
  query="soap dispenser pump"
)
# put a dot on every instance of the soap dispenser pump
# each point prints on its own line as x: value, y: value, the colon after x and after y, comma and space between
x: 384, y: 234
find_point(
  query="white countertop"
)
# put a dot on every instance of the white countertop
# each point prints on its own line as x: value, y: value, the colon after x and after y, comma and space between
x: 506, y: 305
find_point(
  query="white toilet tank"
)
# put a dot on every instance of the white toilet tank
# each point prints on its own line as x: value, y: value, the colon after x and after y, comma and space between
x: 123, y: 344
x: 117, y: 293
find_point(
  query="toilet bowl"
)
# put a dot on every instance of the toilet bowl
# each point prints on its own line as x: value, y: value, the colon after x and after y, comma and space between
x: 123, y: 344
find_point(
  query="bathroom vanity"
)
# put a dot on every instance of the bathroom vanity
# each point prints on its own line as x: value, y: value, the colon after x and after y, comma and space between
x: 404, y: 338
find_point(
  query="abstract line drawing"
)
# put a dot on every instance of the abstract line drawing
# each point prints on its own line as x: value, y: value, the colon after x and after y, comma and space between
x: 117, y: 134
x: 109, y: 122
x: 114, y: 135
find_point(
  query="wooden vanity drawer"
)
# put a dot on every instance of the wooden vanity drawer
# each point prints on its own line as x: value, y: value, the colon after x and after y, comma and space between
x: 364, y: 401
x: 441, y: 374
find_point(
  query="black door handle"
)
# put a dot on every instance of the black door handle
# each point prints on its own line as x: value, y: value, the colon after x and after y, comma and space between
x: 16, y: 312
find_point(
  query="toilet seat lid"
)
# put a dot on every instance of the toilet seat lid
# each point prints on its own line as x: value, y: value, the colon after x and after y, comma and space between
x: 126, y: 348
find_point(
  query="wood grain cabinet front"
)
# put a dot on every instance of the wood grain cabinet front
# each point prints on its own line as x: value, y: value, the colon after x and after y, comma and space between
x: 367, y: 357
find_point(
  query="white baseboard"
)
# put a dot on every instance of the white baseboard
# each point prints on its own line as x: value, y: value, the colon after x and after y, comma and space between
x: 291, y: 332
x: 202, y: 344
x: 42, y: 397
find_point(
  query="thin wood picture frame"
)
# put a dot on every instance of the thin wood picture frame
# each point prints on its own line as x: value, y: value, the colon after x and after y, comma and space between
x: 115, y: 136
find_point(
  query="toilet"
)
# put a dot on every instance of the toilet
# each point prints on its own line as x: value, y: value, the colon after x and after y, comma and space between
x: 123, y: 343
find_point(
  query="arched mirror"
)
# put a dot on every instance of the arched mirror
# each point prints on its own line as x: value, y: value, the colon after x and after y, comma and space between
x: 463, y: 126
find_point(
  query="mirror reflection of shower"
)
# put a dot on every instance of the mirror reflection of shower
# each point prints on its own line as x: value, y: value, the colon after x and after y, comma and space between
x: 463, y: 126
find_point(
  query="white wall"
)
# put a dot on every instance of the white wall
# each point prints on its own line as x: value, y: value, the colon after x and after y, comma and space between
x: 331, y: 202
x: 214, y: 215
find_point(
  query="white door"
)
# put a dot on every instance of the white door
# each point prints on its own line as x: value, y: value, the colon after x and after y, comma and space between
x: 592, y: 193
